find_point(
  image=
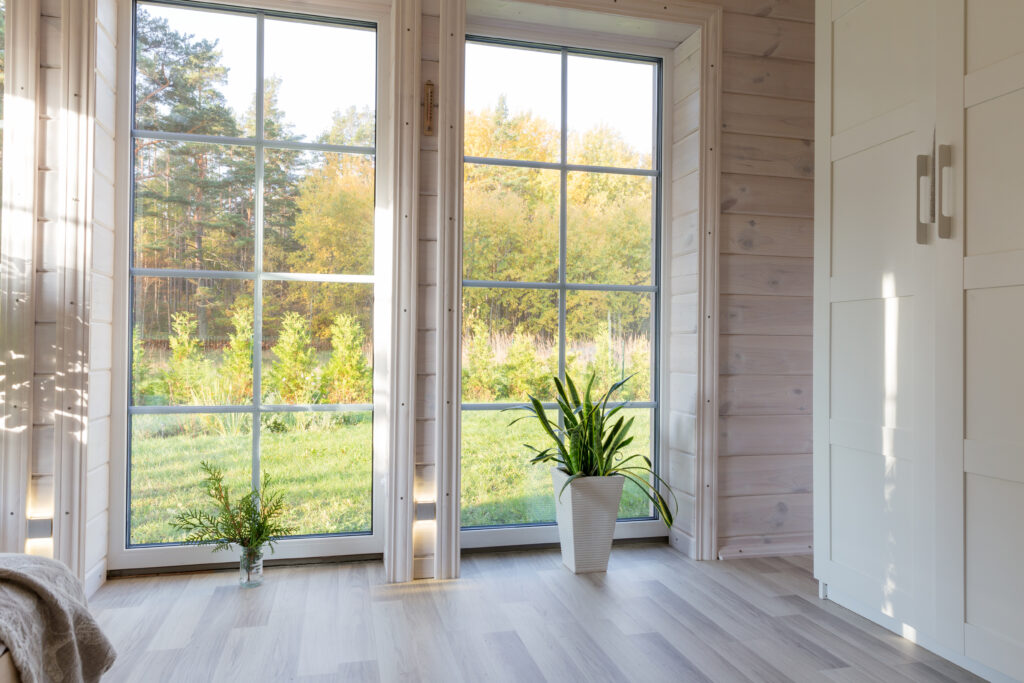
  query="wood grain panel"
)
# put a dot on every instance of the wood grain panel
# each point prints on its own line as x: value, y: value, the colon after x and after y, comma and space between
x: 785, y: 78
x: 759, y: 115
x: 764, y: 395
x: 766, y: 37
x: 796, y: 10
x: 754, y: 475
x: 765, y: 545
x: 685, y: 117
x: 767, y: 196
x: 764, y: 435
x: 772, y: 156
x: 741, y: 354
x: 780, y: 514
x: 766, y: 235
x: 772, y: 315
x: 756, y: 274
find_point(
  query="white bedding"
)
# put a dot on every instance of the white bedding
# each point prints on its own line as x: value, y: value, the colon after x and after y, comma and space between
x: 46, y: 624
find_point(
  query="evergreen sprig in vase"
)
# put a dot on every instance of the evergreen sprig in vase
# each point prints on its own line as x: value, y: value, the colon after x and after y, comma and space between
x: 251, y: 523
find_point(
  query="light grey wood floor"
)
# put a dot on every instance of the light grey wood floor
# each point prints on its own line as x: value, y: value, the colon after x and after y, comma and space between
x: 655, y: 616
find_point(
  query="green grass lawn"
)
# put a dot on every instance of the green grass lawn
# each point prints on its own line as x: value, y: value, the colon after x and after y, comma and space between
x: 323, y: 464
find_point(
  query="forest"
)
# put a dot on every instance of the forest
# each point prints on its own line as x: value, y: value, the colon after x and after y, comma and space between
x: 196, y: 209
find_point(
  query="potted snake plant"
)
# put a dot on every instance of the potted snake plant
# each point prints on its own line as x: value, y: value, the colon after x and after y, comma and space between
x: 251, y: 523
x: 590, y: 463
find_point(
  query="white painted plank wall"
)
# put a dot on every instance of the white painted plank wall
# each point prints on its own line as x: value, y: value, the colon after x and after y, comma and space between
x: 102, y: 296
x: 682, y: 290
x: 48, y: 258
x: 426, y: 374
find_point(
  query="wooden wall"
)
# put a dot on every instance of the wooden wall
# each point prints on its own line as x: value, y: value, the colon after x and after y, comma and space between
x: 101, y: 297
x: 48, y: 259
x: 682, y: 240
x: 766, y: 246
x: 765, y: 277
x: 426, y: 333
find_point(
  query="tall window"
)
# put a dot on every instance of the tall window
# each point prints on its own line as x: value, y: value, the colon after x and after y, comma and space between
x: 252, y: 264
x: 560, y: 255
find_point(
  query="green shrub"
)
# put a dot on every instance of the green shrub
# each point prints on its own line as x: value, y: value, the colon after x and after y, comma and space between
x: 187, y: 370
x: 348, y: 378
x: 293, y: 377
x: 147, y: 385
x: 235, y: 371
x: 480, y: 380
x: 523, y: 373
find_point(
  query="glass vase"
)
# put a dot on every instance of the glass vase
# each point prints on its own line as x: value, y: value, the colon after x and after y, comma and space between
x: 250, y: 567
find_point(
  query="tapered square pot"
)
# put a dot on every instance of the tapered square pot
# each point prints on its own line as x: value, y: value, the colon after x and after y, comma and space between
x: 586, y: 512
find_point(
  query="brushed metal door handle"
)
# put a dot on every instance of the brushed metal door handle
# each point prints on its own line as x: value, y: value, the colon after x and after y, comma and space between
x: 924, y: 163
x: 944, y: 161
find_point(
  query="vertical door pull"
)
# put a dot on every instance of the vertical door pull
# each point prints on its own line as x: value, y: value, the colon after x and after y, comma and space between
x: 945, y: 157
x: 924, y: 163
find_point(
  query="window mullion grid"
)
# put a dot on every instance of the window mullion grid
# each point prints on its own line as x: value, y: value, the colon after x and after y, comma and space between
x: 257, y: 307
x: 562, y: 215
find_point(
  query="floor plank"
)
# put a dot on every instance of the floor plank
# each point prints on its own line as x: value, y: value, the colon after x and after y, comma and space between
x: 513, y: 616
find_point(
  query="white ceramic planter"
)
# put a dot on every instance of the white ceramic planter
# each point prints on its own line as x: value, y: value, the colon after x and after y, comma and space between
x: 586, y: 513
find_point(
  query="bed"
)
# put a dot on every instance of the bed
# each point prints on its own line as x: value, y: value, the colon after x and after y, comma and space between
x: 46, y: 630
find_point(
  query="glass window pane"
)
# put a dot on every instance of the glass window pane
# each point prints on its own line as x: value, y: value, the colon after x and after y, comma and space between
x: 510, y: 224
x: 321, y: 82
x: 323, y: 465
x: 609, y: 239
x: 165, y: 475
x: 194, y: 206
x: 317, y: 343
x: 510, y: 344
x: 609, y: 335
x: 513, y: 103
x: 610, y: 112
x: 191, y: 341
x: 195, y: 71
x: 319, y: 212
x: 634, y: 503
x: 499, y: 484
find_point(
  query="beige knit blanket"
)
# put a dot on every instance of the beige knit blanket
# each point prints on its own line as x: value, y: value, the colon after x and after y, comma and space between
x: 46, y: 625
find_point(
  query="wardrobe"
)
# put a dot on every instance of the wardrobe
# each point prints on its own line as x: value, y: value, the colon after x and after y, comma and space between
x: 919, y: 322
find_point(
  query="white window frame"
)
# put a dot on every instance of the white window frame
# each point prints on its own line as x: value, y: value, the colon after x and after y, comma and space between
x: 542, y: 534
x: 389, y: 297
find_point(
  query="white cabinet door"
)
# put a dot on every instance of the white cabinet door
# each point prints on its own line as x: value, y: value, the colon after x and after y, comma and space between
x: 989, y: 174
x: 875, y: 308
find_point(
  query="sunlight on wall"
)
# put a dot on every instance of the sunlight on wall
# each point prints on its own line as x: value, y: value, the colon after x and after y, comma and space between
x: 891, y: 386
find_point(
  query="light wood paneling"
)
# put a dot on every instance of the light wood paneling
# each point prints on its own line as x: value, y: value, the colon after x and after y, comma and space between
x: 767, y: 235
x: 779, y: 513
x: 796, y: 10
x: 741, y: 354
x: 764, y: 435
x: 767, y: 196
x: 758, y: 115
x: 766, y: 37
x: 755, y: 274
x: 764, y: 395
x: 753, y: 475
x: 772, y: 156
x: 766, y: 315
x: 765, y: 76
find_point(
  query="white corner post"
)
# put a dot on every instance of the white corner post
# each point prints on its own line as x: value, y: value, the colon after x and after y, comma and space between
x: 71, y: 400
x: 708, y: 317
x: 17, y: 271
x: 404, y: 153
x: 447, y: 439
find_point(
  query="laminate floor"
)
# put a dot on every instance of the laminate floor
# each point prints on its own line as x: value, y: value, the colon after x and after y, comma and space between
x: 516, y: 616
